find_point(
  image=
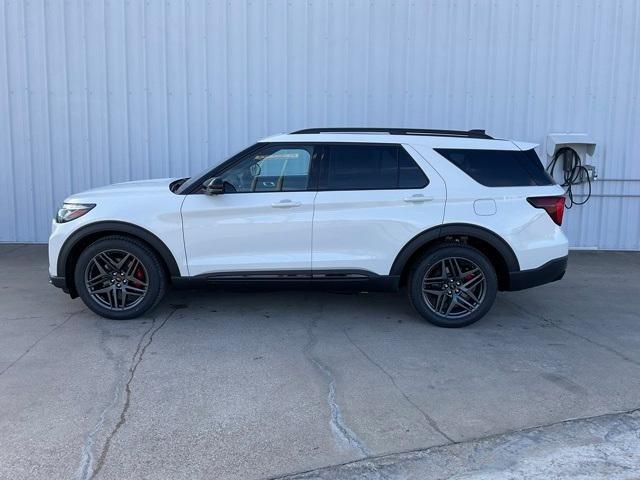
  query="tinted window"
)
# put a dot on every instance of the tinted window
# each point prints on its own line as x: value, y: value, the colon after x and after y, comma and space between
x: 410, y: 175
x: 369, y: 167
x: 271, y: 169
x: 499, y: 168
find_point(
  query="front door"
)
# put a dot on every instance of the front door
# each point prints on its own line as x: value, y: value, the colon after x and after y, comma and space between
x: 263, y: 220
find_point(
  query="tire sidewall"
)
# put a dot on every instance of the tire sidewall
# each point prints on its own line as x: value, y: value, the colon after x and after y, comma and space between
x: 432, y: 258
x: 151, y: 264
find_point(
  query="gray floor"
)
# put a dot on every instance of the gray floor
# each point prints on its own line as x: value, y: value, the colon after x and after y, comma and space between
x: 261, y: 385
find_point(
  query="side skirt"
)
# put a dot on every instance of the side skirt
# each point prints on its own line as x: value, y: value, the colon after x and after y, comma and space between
x: 331, y: 280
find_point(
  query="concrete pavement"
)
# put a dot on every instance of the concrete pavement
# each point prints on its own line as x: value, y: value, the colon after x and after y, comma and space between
x: 262, y: 385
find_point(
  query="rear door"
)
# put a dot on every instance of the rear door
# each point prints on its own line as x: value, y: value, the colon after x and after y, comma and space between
x: 372, y: 199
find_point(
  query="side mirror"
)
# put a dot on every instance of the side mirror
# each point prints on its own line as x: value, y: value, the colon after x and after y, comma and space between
x: 213, y: 186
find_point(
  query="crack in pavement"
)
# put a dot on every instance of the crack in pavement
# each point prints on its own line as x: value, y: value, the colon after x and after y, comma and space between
x: 71, y: 315
x: 571, y: 332
x: 340, y: 429
x: 87, y: 470
x: 87, y: 451
x: 430, y: 420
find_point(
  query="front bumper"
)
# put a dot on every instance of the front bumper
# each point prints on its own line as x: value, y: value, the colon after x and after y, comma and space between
x: 59, y: 282
x: 549, y: 272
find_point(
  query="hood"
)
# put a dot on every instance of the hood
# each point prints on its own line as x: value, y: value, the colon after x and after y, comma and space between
x: 135, y: 188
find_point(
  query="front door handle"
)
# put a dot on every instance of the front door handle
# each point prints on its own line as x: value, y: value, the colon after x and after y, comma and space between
x: 285, y: 204
x: 418, y: 198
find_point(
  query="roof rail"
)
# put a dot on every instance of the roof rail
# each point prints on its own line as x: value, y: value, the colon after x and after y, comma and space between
x: 475, y: 133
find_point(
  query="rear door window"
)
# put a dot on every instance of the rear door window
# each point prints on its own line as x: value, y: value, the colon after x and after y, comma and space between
x: 499, y: 168
x: 410, y: 175
x: 369, y: 167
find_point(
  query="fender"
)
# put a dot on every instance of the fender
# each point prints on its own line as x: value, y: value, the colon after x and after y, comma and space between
x: 455, y: 229
x: 116, y: 227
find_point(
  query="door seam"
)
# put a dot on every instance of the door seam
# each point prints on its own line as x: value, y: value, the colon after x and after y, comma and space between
x: 313, y: 219
x: 184, y: 241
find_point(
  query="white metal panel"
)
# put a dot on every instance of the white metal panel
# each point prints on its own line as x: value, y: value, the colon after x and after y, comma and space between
x: 93, y: 92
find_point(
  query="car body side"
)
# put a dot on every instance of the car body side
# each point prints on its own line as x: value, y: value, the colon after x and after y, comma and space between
x: 458, y: 207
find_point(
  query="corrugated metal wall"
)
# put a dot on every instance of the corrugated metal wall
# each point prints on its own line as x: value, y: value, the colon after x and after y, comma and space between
x: 94, y: 92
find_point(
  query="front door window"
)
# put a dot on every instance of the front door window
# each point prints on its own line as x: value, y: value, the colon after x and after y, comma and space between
x: 272, y: 169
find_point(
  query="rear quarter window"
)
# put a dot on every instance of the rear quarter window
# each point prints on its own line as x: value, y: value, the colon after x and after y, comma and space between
x: 499, y: 168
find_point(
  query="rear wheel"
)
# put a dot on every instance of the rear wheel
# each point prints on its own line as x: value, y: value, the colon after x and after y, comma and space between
x: 453, y: 285
x: 119, y: 277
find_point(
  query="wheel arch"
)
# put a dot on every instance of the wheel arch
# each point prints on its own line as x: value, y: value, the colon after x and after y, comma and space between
x: 88, y: 234
x: 492, y: 245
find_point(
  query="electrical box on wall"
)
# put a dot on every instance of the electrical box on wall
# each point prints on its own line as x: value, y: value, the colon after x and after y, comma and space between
x: 568, y: 154
x: 582, y: 144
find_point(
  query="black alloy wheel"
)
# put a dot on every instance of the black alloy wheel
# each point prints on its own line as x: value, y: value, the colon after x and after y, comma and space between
x: 120, y: 277
x: 453, y: 285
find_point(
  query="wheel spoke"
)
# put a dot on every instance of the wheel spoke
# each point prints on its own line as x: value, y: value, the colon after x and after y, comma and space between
x: 473, y: 271
x: 134, y: 290
x: 440, y: 303
x: 132, y: 267
x: 430, y: 280
x: 452, y: 304
x: 464, y: 304
x: 455, y: 267
x: 99, y: 267
x: 97, y: 280
x: 433, y: 292
x: 114, y: 294
x: 106, y: 260
x: 111, y: 296
x: 123, y: 260
x: 474, y: 281
x: 443, y: 267
x: 137, y: 281
x: 102, y: 290
x: 469, y: 293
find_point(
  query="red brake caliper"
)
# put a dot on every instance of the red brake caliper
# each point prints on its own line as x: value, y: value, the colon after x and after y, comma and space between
x: 139, y: 274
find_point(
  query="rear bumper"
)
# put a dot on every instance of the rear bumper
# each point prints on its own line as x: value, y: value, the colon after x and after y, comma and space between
x: 547, y: 273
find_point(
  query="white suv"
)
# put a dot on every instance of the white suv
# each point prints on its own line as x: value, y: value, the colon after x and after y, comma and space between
x: 450, y: 216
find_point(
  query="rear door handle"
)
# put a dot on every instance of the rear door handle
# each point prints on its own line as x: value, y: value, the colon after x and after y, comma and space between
x: 418, y: 198
x: 285, y: 204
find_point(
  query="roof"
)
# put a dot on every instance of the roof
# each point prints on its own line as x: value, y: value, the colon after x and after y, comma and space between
x: 432, y: 138
x: 474, y: 133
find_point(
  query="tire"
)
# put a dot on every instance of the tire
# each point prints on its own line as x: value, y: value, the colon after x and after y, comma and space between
x: 114, y: 292
x: 472, y: 295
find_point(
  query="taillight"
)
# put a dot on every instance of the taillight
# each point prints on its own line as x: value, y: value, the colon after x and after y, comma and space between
x: 553, y: 205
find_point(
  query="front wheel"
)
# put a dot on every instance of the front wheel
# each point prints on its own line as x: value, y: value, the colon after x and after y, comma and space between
x: 119, y: 277
x: 453, y: 285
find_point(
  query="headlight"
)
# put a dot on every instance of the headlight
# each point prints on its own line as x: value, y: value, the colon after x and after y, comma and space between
x: 71, y: 211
